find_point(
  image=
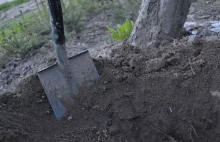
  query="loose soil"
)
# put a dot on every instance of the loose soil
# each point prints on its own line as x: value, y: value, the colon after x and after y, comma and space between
x: 167, y: 94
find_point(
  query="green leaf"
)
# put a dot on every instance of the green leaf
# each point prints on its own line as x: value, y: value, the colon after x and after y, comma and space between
x: 111, y: 30
x: 123, y: 31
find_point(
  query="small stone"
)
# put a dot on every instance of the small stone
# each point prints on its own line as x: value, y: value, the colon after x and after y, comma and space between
x: 109, y: 123
x: 167, y: 55
x: 40, y: 101
x: 105, y: 133
x: 200, y: 63
x: 69, y: 118
x: 204, y: 17
x: 47, y: 112
x: 216, y: 30
x: 195, y: 32
x: 98, y: 133
x: 121, y: 78
x: 215, y: 25
x: 155, y: 64
x: 159, y: 54
x: 191, y: 38
x: 128, y: 94
x: 113, y: 130
x: 132, y: 62
x: 215, y: 93
x: 211, y: 38
x: 173, y: 61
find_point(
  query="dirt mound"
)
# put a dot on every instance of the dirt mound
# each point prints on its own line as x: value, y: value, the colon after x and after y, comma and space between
x: 165, y: 94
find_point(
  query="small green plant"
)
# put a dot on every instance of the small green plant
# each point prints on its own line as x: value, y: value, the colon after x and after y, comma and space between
x: 123, y: 31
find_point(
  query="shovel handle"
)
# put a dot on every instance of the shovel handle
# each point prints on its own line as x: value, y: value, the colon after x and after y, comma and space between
x: 56, y: 17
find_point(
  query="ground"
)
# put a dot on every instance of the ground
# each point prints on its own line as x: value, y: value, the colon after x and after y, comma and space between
x: 166, y: 94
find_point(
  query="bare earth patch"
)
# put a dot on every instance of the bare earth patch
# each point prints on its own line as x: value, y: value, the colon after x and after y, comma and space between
x: 141, y: 96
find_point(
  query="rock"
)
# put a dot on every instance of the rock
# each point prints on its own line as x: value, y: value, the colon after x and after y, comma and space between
x: 215, y: 25
x: 98, y: 133
x: 174, y: 60
x: 159, y: 54
x: 132, y: 62
x: 69, y: 118
x: 109, y: 123
x: 191, y: 38
x: 198, y: 63
x: 129, y: 94
x: 215, y: 93
x: 195, y: 32
x: 204, y: 17
x: 113, y: 130
x: 211, y: 38
x: 167, y: 55
x: 216, y: 30
x: 189, y: 25
x: 121, y: 78
x: 155, y: 64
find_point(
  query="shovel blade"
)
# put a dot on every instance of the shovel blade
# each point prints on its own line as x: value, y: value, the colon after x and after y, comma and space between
x: 83, y: 71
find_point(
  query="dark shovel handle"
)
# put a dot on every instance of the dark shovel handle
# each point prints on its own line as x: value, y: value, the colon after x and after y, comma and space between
x: 57, y: 21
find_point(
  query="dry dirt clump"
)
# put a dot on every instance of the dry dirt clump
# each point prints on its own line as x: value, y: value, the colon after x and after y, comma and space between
x: 157, y: 95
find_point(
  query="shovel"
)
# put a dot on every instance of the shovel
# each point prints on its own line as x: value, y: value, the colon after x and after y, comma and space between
x: 63, y: 80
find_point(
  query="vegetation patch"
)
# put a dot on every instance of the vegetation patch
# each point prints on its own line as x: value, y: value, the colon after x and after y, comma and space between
x: 31, y: 30
x: 123, y: 31
x: 7, y: 5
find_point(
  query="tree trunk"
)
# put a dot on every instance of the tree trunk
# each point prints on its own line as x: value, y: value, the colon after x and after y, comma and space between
x: 159, y: 20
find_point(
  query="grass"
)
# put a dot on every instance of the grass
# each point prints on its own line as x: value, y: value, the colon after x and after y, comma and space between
x: 7, y: 5
x: 19, y: 36
x: 29, y: 31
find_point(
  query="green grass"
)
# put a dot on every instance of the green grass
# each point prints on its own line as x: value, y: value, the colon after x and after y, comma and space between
x: 29, y: 31
x: 8, y: 5
x: 21, y: 35
x: 30, y: 20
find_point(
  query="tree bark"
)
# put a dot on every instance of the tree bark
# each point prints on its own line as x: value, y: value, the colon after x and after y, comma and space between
x: 159, y: 20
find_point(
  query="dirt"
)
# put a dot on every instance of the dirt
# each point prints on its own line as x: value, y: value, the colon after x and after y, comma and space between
x: 165, y: 94
x: 95, y: 38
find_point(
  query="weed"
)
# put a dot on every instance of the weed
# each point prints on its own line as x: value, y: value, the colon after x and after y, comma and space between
x: 123, y: 31
x: 21, y: 35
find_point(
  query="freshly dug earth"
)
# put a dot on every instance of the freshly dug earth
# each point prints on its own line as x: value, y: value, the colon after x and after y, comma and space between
x: 158, y: 95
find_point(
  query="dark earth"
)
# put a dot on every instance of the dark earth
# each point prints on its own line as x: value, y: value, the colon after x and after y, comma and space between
x: 165, y: 94
x: 159, y: 95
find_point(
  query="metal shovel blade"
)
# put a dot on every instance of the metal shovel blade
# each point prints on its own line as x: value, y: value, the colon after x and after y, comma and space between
x: 83, y: 71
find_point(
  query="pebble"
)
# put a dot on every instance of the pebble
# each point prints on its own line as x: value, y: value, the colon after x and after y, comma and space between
x: 69, y: 118
x: 155, y: 64
x: 113, y: 130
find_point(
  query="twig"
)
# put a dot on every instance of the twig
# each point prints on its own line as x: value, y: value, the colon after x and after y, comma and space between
x: 194, y: 131
x: 171, y: 138
x: 190, y: 135
x: 190, y: 64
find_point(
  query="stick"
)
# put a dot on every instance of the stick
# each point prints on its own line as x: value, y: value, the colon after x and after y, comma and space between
x: 190, y: 64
